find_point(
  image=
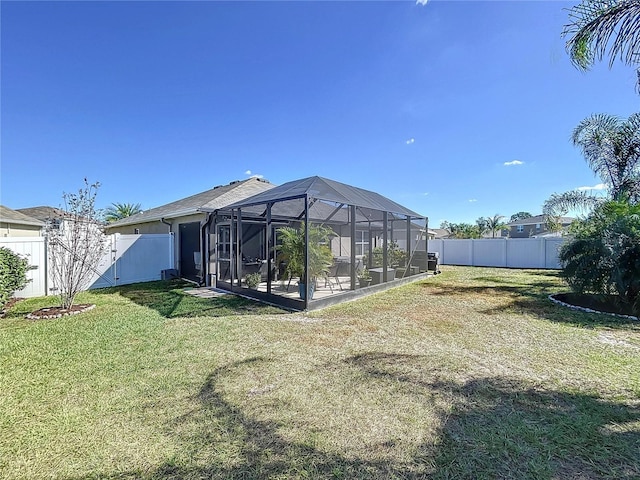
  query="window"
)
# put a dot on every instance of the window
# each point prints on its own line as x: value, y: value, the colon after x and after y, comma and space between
x: 136, y: 231
x: 520, y: 228
x: 362, y: 242
x: 54, y: 223
x: 538, y: 226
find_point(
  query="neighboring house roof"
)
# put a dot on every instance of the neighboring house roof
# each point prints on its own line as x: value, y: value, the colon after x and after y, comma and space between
x: 7, y: 215
x: 441, y: 232
x: 43, y: 213
x: 536, y: 220
x: 207, y: 201
x: 329, y: 190
x: 47, y: 214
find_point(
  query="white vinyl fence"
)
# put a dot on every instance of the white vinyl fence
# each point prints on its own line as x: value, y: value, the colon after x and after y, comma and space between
x: 133, y: 259
x: 33, y: 248
x: 130, y: 259
x: 499, y: 252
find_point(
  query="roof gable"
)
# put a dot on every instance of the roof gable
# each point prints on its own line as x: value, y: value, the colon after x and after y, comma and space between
x: 8, y: 215
x: 44, y: 212
x: 206, y: 201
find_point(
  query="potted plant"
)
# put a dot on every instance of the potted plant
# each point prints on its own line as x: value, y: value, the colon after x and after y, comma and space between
x: 364, y: 277
x: 292, y: 250
x: 396, y: 257
x: 252, y: 280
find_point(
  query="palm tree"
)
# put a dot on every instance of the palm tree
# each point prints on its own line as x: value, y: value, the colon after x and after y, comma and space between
x: 118, y: 211
x: 596, y: 24
x: 495, y: 223
x: 611, y: 147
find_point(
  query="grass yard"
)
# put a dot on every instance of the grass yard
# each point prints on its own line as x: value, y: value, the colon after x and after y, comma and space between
x: 472, y: 374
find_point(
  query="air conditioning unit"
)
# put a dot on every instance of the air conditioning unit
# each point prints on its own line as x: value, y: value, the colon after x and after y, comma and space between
x: 169, y: 273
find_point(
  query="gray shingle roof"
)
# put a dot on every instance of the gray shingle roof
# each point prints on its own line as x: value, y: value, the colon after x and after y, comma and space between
x: 43, y: 213
x: 537, y: 219
x: 7, y: 215
x: 207, y: 201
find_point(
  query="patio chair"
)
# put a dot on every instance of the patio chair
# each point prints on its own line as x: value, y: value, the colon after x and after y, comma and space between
x: 333, y: 273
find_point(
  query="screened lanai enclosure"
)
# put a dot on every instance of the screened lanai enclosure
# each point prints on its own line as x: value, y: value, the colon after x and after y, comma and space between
x: 314, y: 242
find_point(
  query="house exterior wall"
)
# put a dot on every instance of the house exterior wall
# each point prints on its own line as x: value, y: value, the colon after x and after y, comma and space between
x: 400, y: 237
x: 529, y: 230
x: 143, y: 228
x: 15, y: 230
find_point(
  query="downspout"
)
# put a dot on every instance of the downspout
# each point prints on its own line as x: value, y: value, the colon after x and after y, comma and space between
x: 167, y: 223
x: 162, y: 220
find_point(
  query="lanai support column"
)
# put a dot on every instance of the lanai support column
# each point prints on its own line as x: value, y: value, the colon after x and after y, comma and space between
x: 269, y: 247
x: 385, y: 235
x: 306, y: 253
x: 239, y: 247
x: 352, y: 212
x: 426, y: 240
x: 232, y: 246
x: 407, y: 271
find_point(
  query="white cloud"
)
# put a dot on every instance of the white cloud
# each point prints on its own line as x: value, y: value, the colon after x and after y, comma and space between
x: 471, y: 200
x: 600, y: 186
x: 421, y: 2
x: 426, y: 193
x: 253, y: 175
x: 514, y: 162
x: 410, y: 141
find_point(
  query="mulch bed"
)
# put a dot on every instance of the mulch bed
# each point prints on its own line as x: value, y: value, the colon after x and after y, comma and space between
x: 57, y: 312
x: 596, y: 303
x: 9, y: 304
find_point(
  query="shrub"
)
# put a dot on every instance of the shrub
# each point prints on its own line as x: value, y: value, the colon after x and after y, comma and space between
x: 13, y: 274
x: 396, y: 257
x: 604, y: 255
x: 253, y: 279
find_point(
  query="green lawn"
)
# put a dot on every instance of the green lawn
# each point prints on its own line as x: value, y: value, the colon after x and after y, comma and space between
x: 472, y: 374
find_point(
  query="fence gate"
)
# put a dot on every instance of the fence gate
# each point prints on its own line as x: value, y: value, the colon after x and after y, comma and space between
x: 133, y: 259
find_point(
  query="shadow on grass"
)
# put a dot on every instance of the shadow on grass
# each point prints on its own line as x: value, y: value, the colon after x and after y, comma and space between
x: 170, y: 300
x: 495, y: 428
x: 505, y: 428
x: 248, y: 448
x: 530, y: 298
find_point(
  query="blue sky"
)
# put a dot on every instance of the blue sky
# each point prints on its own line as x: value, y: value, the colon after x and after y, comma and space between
x: 454, y: 109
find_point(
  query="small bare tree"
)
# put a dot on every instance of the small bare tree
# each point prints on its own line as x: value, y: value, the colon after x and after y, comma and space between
x: 76, y: 243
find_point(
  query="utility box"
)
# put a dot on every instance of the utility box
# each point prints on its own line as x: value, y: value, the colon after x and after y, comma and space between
x: 168, y: 274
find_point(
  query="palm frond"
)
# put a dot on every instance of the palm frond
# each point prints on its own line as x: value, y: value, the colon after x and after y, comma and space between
x: 611, y: 147
x: 560, y: 203
x: 598, y: 24
x: 118, y: 211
